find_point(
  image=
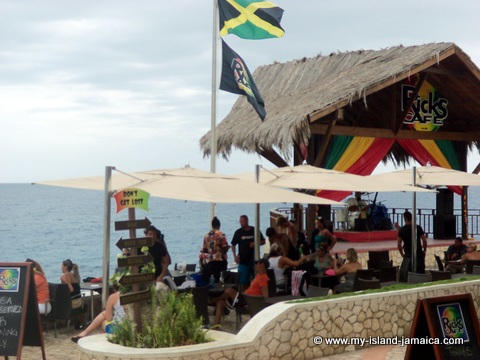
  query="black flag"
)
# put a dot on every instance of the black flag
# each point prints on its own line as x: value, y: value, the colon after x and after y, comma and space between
x: 236, y: 78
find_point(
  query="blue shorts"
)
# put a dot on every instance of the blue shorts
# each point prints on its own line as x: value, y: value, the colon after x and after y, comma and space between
x: 245, y: 273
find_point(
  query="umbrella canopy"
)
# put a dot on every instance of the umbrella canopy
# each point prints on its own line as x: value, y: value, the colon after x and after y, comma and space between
x: 194, y: 185
x: 311, y: 177
x: 430, y: 175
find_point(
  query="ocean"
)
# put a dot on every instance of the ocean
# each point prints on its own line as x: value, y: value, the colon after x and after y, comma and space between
x: 50, y: 224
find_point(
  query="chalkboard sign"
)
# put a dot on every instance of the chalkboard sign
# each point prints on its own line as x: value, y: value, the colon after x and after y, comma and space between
x: 445, y: 327
x: 18, y: 310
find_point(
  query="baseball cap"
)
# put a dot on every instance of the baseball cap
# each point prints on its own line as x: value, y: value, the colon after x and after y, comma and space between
x: 265, y: 262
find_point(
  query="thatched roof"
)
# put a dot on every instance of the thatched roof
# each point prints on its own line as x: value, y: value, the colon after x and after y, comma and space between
x: 306, y: 92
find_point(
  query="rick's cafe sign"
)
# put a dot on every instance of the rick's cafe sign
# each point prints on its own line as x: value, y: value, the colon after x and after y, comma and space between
x: 428, y: 111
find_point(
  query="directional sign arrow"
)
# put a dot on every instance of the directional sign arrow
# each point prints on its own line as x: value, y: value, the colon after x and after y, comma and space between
x: 135, y: 297
x: 132, y: 224
x: 126, y: 280
x: 135, y: 242
x: 134, y: 260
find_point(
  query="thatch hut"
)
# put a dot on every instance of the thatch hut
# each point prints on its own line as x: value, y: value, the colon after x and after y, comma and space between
x: 396, y: 104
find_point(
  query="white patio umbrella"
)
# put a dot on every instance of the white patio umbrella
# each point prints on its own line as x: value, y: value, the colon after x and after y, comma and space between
x: 426, y: 176
x: 182, y: 184
x: 429, y: 176
x: 315, y: 178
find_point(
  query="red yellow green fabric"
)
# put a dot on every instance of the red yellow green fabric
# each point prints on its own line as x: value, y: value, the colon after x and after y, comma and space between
x: 354, y: 155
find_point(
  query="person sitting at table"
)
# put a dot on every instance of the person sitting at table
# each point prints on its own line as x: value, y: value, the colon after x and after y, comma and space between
x: 214, y: 267
x: 105, y: 321
x: 348, y: 270
x: 321, y: 235
x: 41, y: 285
x: 279, y: 263
x: 71, y: 277
x: 232, y: 298
x: 323, y: 260
x: 472, y: 254
x: 455, y: 253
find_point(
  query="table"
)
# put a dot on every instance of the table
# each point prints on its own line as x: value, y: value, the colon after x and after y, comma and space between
x: 218, y: 289
x: 277, y: 299
x: 326, y: 281
x: 91, y: 287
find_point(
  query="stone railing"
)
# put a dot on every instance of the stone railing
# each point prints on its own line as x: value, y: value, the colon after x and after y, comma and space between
x: 288, y: 330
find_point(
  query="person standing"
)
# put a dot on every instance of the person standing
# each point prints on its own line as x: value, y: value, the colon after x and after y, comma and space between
x: 159, y: 252
x: 321, y: 235
x: 405, y: 249
x: 244, y: 237
x: 213, y: 241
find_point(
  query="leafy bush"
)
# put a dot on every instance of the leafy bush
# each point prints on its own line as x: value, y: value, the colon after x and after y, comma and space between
x: 169, y: 320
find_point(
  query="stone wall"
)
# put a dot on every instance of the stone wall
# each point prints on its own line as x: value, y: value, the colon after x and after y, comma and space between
x: 288, y: 330
x: 430, y: 262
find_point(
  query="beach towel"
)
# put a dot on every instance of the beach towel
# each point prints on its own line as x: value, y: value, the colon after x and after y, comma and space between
x: 297, y: 276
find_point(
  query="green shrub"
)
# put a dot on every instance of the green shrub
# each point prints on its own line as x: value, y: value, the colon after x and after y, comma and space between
x: 169, y: 320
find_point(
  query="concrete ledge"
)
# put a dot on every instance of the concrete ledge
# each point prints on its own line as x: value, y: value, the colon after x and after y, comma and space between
x: 286, y: 330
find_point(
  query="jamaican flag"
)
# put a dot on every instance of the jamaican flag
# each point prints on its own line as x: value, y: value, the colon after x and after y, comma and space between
x: 250, y: 19
x: 236, y: 78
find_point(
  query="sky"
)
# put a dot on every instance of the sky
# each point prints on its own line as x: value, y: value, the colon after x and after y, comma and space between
x: 84, y: 85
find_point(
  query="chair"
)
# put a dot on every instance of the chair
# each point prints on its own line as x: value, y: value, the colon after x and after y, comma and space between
x: 231, y: 277
x: 364, y: 274
x: 239, y: 311
x: 62, y: 305
x: 388, y: 273
x: 272, y: 283
x: 200, y: 300
x: 45, y: 318
x: 317, y: 291
x: 476, y: 270
x: 403, y: 272
x: 469, y: 265
x: 255, y: 304
x: 179, y: 280
x: 364, y: 284
x: 377, y: 259
x: 416, y: 278
x: 190, y: 268
x: 439, y: 263
x: 436, y: 275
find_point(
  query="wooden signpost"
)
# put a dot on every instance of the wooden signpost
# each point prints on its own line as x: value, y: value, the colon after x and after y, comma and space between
x: 134, y: 243
x: 132, y: 224
x: 19, y: 317
x: 445, y: 327
x: 133, y: 260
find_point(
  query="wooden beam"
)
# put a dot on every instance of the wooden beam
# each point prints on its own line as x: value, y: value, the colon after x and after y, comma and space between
x: 399, y: 121
x: 272, y: 156
x: 326, y: 139
x: 477, y: 169
x: 321, y: 129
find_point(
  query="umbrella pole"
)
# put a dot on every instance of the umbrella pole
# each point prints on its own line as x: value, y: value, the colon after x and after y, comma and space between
x: 257, y: 218
x: 106, y: 234
x: 414, y: 223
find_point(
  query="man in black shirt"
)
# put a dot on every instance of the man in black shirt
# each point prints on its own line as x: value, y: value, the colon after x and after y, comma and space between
x: 405, y: 236
x: 245, y: 239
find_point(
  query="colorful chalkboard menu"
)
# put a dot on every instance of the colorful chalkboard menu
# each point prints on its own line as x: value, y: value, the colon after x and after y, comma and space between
x: 445, y: 327
x: 18, y: 310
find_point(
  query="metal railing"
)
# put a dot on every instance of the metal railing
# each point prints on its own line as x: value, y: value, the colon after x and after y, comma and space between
x: 425, y: 218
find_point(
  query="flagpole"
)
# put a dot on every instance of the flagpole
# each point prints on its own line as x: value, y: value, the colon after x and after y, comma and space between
x: 213, y: 131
